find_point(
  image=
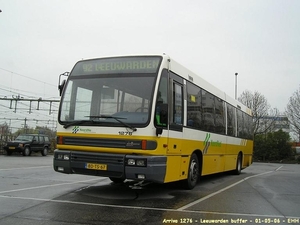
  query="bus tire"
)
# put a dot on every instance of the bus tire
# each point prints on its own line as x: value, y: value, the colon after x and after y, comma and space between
x: 238, y: 168
x: 117, y: 180
x: 193, y: 172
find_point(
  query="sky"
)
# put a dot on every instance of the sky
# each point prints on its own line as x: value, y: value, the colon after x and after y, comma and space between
x: 40, y: 39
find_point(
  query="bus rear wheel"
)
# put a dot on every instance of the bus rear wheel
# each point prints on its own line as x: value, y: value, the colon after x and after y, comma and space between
x: 238, y: 168
x: 193, y: 172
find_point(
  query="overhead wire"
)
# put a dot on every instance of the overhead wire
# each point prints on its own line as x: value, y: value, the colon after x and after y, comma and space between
x: 28, y: 111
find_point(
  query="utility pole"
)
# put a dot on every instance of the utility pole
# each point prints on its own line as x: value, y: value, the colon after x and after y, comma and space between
x: 25, y: 126
x: 236, y: 74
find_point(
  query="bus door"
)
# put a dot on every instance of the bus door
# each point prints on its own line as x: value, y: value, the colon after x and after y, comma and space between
x: 176, y: 115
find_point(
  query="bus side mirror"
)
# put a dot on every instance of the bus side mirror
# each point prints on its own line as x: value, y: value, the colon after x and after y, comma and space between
x: 62, y: 84
x: 61, y: 87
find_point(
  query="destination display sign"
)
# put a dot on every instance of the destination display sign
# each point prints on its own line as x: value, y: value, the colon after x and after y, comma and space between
x: 117, y: 65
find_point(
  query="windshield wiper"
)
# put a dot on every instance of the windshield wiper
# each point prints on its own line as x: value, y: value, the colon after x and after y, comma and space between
x: 117, y: 119
x: 78, y: 122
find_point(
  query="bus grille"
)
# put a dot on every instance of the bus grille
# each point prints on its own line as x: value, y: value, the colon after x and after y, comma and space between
x: 114, y: 159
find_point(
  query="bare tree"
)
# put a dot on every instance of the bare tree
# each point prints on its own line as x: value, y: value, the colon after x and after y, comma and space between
x: 263, y: 115
x: 293, y: 112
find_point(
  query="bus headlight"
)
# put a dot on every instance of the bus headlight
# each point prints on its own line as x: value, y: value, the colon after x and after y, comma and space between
x: 63, y: 157
x: 136, y: 162
x: 131, y: 162
x: 141, y: 162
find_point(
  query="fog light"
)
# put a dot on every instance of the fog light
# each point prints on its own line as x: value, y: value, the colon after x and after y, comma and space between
x: 60, y: 169
x: 141, y: 176
x: 131, y: 162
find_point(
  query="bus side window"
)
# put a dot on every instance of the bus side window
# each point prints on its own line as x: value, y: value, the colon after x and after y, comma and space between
x: 240, y: 124
x: 194, y: 106
x: 231, y: 126
x: 177, y: 104
x: 208, y: 113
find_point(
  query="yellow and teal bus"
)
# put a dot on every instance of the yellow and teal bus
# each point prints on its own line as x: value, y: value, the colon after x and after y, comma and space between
x: 146, y: 118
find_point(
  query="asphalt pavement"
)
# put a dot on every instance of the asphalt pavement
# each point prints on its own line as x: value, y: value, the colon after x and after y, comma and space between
x: 32, y: 193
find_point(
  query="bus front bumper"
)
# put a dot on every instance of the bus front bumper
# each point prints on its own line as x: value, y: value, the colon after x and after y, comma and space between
x: 133, y: 167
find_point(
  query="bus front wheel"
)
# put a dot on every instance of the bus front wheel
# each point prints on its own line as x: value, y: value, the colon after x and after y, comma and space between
x: 193, y: 172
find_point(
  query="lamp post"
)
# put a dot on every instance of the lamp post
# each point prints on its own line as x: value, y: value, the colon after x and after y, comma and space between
x: 236, y: 74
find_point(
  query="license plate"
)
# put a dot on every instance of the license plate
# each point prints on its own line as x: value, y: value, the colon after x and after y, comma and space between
x: 94, y: 166
x: 11, y: 147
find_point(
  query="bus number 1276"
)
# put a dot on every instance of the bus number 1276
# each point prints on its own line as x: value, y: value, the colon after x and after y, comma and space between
x: 125, y: 133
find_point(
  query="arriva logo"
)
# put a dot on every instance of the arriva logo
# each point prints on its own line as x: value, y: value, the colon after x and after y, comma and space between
x: 207, y: 142
x: 77, y: 128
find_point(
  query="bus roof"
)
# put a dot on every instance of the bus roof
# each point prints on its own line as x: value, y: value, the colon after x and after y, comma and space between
x: 199, y: 81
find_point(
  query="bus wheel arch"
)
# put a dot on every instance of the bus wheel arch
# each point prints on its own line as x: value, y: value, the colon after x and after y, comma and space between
x: 194, y: 170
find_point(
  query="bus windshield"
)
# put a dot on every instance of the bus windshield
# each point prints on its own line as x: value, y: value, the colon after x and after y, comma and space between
x: 108, y: 99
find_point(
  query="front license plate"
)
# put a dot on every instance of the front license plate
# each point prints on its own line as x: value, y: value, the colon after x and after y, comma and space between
x: 11, y: 147
x: 94, y: 166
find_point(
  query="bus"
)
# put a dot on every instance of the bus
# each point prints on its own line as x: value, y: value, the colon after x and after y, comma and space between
x: 148, y: 119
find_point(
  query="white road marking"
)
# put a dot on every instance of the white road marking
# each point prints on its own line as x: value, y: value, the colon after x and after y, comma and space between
x: 145, y: 208
x: 51, y: 185
x: 25, y: 168
x: 221, y: 190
